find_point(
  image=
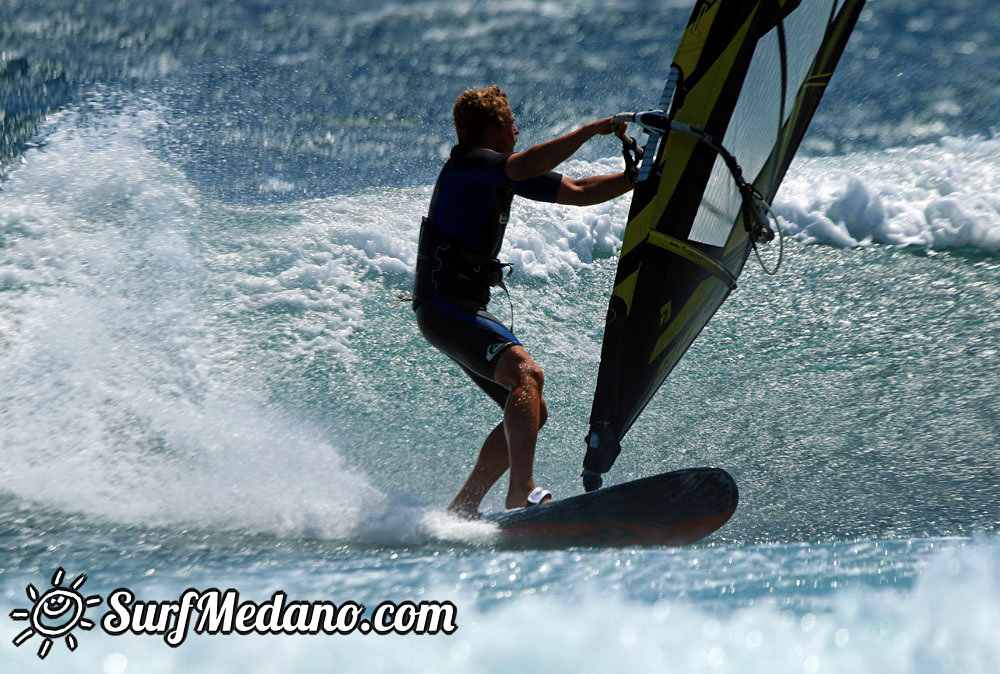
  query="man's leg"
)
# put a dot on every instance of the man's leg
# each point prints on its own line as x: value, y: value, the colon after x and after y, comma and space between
x: 494, y: 457
x: 490, y: 466
x: 523, y: 415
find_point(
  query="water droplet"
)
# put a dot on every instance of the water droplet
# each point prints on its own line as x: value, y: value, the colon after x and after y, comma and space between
x: 115, y: 663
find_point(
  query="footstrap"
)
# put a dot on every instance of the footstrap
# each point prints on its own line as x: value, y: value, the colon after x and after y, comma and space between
x: 538, y: 495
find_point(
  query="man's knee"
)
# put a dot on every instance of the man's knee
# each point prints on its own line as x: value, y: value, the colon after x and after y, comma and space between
x: 516, y: 369
x: 532, y: 375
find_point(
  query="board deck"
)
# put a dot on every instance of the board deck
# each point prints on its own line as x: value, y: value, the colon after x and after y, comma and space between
x: 668, y: 509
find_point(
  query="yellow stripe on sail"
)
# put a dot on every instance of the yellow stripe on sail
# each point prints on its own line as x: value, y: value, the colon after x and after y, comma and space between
x: 626, y: 290
x: 698, y: 105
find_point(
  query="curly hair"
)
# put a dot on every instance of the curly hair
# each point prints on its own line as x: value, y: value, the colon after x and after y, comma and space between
x: 476, y: 109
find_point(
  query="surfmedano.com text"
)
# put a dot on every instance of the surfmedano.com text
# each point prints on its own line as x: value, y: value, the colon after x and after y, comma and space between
x: 213, y: 611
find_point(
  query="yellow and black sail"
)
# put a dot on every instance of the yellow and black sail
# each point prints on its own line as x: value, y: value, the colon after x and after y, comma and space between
x: 745, y: 81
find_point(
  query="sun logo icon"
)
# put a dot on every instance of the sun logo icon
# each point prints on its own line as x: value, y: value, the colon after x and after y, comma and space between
x: 55, y: 613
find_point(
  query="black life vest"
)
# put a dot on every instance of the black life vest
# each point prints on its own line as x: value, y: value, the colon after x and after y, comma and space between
x: 455, y: 270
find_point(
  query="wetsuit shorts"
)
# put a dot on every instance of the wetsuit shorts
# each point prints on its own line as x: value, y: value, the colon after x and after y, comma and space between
x: 470, y: 336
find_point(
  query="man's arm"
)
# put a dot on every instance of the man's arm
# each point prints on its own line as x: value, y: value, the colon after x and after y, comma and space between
x: 592, y: 190
x: 544, y: 157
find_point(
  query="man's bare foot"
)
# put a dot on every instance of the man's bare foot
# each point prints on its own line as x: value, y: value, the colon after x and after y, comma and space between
x: 465, y: 512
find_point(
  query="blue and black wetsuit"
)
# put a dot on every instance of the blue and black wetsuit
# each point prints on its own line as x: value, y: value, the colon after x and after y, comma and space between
x: 457, y: 259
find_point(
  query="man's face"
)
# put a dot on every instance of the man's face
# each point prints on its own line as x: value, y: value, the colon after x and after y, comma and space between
x: 501, y: 137
x: 508, y: 133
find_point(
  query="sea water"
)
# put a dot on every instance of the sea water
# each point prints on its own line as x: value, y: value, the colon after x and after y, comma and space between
x: 209, y: 209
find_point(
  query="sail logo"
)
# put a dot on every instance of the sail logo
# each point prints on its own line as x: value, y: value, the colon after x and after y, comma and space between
x: 666, y: 311
x: 703, y: 22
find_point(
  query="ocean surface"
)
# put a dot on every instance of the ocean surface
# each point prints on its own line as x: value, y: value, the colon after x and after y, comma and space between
x: 208, y: 209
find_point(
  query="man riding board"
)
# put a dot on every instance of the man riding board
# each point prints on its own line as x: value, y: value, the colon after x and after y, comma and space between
x: 457, y: 265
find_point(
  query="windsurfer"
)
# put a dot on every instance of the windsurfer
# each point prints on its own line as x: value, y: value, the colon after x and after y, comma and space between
x: 457, y: 265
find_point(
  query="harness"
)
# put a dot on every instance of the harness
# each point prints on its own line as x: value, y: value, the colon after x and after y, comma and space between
x: 457, y: 269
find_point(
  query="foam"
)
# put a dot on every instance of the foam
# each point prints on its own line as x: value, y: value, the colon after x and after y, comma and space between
x: 120, y: 400
x: 941, y: 196
x: 945, y: 621
x: 128, y: 394
x: 935, y: 196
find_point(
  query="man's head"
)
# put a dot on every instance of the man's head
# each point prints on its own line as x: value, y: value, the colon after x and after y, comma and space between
x: 483, y: 118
